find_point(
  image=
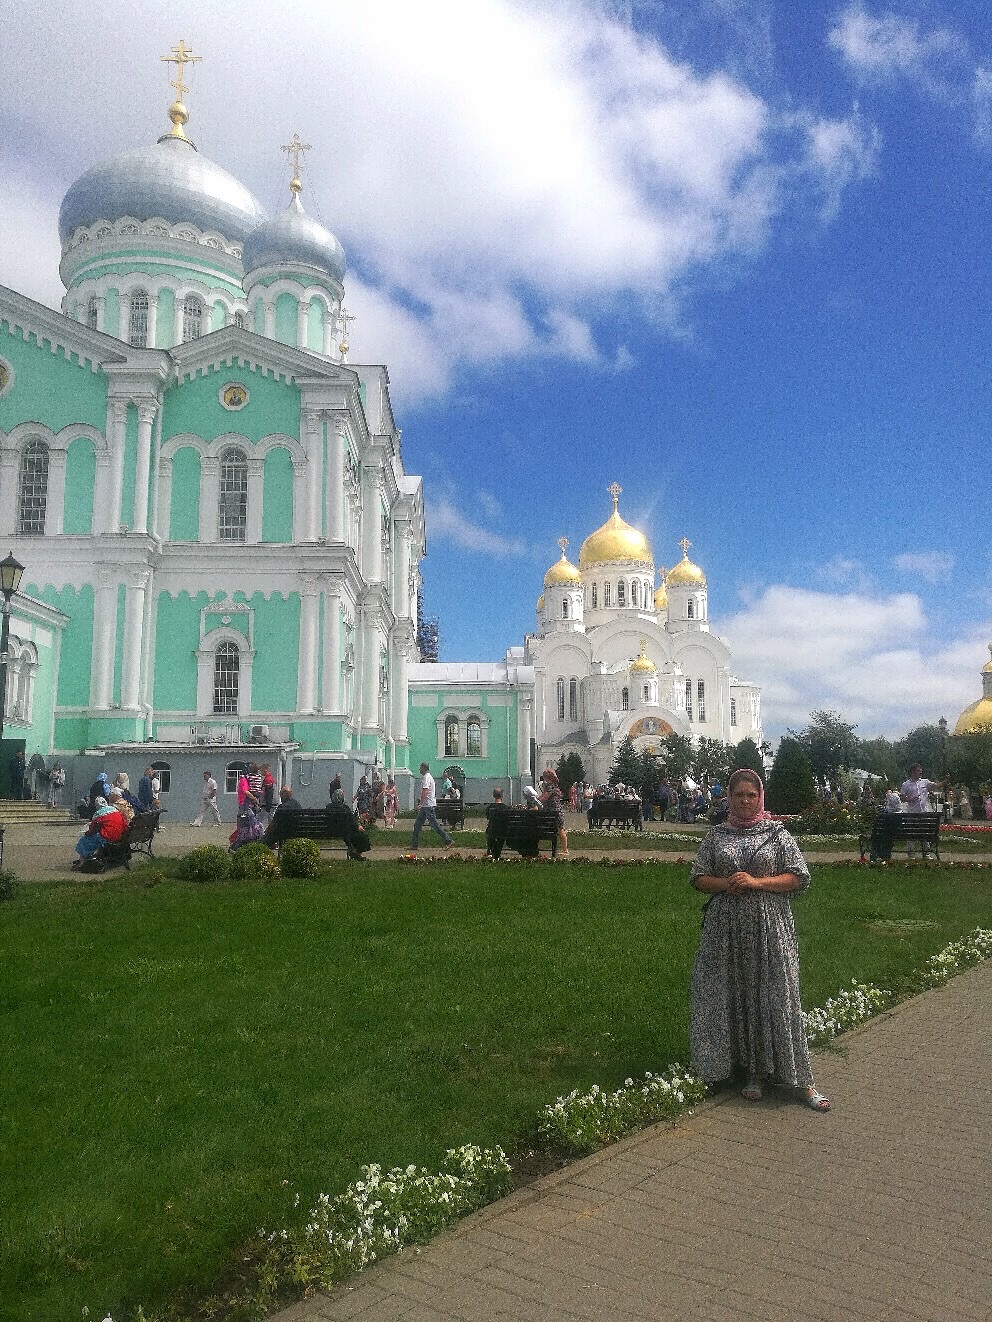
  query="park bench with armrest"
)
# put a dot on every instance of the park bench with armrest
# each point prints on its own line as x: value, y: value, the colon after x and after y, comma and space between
x: 137, y: 839
x: 526, y: 828
x: 615, y: 812
x: 451, y: 812
x: 910, y: 828
x: 319, y: 824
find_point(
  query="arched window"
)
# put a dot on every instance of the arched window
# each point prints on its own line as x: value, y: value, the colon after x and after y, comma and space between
x: 164, y: 773
x: 137, y: 329
x: 689, y: 606
x: 634, y: 594
x: 473, y: 737
x: 646, y: 692
x: 233, y: 521
x: 701, y: 700
x: 621, y: 593
x: 564, y: 609
x: 33, y: 488
x: 192, y: 318
x: 93, y: 312
x: 227, y: 679
x: 241, y: 320
x: 594, y: 596
x: 606, y: 594
x: 625, y: 699
x: 232, y: 774
x: 451, y: 734
x: 573, y: 699
x: 733, y: 711
x: 561, y: 699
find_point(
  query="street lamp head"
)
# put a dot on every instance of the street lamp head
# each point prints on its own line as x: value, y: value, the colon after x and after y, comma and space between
x: 10, y: 576
x: 942, y: 723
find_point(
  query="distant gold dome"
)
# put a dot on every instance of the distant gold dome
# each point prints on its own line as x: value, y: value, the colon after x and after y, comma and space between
x: 615, y: 540
x: 643, y: 662
x: 540, y: 602
x: 979, y: 715
x: 562, y: 572
x: 661, y: 594
x: 685, y: 572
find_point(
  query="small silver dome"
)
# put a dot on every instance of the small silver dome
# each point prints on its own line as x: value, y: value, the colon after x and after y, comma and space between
x: 293, y: 238
x: 171, y: 180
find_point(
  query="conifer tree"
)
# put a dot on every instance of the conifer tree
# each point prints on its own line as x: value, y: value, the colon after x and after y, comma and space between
x: 746, y: 754
x: 626, y: 769
x: 790, y: 784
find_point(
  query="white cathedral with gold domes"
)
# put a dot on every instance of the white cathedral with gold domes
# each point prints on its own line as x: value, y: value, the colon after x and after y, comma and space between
x: 611, y: 657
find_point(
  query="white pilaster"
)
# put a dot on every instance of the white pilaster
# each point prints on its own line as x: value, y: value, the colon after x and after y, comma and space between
x: 8, y: 491
x: 209, y: 497
x: 153, y: 319
x: 253, y: 531
x: 306, y: 686
x: 370, y: 677
x: 331, y: 678
x: 525, y: 730
x: 146, y: 416
x: 313, y: 445
x: 371, y: 525
x: 134, y: 618
x: 336, y: 429
x: 328, y: 335
x: 398, y: 696
x: 401, y: 569
x: 302, y: 320
x: 116, y: 424
x: 55, y: 508
x: 270, y: 320
x: 155, y: 521
x: 104, y: 638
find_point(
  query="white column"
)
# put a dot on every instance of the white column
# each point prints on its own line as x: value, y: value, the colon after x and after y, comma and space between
x: 155, y: 519
x: 253, y: 532
x: 524, y: 732
x: 401, y: 569
x: 55, y: 506
x: 370, y: 679
x: 209, y: 497
x: 371, y: 525
x: 331, y: 678
x: 302, y: 321
x: 8, y: 491
x: 335, y: 478
x: 313, y: 445
x: 104, y: 638
x: 103, y: 482
x: 142, y: 469
x: 134, y: 619
x: 398, y: 695
x: 153, y: 319
x: 328, y: 329
x: 270, y: 320
x: 116, y: 424
x: 306, y: 685
x: 299, y: 499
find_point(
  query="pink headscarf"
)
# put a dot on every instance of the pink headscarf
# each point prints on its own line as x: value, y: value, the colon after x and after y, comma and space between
x: 759, y: 814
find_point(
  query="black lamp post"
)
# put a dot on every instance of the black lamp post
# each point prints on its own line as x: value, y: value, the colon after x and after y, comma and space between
x: 942, y: 727
x: 10, y: 580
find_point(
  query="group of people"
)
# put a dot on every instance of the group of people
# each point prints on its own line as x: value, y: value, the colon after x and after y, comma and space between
x: 34, y: 780
x: 110, y: 808
x: 376, y: 800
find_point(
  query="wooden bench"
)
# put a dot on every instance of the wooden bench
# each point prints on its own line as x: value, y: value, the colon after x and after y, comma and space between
x: 526, y: 828
x: 910, y: 828
x: 615, y: 812
x: 451, y: 812
x: 137, y: 839
x: 319, y: 824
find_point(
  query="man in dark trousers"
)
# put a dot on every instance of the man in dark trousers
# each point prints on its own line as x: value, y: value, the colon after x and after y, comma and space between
x: 497, y: 815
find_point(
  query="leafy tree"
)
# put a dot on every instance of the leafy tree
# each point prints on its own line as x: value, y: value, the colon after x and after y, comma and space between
x: 627, y: 766
x: 925, y: 745
x: 676, y: 755
x: 713, y: 759
x: 880, y: 757
x: 651, y: 772
x: 790, y: 784
x: 569, y: 771
x: 746, y: 755
x: 969, y: 759
x: 830, y: 745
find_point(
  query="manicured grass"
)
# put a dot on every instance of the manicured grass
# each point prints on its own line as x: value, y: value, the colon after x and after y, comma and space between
x: 180, y: 1059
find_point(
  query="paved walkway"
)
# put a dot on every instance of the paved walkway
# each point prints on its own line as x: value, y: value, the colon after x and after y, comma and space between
x: 880, y: 1210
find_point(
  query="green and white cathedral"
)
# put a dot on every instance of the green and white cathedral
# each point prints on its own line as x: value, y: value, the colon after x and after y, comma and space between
x: 222, y: 547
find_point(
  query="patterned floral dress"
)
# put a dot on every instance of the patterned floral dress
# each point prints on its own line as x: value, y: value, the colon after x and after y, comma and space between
x: 746, y: 1012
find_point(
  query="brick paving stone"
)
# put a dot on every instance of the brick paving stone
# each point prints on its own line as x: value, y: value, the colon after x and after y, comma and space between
x: 877, y: 1212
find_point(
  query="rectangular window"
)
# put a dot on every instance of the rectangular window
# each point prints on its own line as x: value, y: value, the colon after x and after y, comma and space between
x: 606, y: 594
x: 561, y: 700
x: 573, y: 699
x: 688, y: 699
x: 733, y: 711
x: 701, y: 701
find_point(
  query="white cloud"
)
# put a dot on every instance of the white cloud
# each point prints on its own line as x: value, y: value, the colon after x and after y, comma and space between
x: 981, y: 95
x: 888, y: 46
x: 931, y: 566
x: 447, y: 524
x: 29, y: 253
x: 871, y: 658
x: 495, y: 170
x: 842, y: 152
x: 842, y: 572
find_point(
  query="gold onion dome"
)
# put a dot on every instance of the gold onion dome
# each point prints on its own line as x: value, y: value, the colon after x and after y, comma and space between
x: 540, y: 602
x: 978, y: 717
x: 685, y: 572
x: 562, y: 572
x: 661, y: 594
x: 615, y: 540
x: 643, y: 662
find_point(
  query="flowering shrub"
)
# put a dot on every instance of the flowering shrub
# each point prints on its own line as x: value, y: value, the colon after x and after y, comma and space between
x: 582, y: 1122
x: 208, y: 863
x: 300, y: 858
x: 845, y: 1010
x: 824, y: 817
x: 255, y: 862
x: 957, y: 957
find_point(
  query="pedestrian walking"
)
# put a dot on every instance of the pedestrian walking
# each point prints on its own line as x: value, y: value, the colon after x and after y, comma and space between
x: 426, y: 808
x: 208, y: 806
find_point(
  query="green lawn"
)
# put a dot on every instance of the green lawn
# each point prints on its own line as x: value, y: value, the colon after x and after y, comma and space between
x: 180, y: 1059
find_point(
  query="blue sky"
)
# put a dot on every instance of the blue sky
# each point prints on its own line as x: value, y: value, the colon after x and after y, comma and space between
x: 736, y: 262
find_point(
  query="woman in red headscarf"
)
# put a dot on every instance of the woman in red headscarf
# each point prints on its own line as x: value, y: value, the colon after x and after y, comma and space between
x: 746, y: 1013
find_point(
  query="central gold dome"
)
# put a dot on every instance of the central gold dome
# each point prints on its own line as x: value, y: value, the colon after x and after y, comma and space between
x: 615, y: 540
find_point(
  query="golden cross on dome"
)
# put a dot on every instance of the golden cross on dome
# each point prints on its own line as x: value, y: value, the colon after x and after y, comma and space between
x: 663, y: 572
x: 563, y: 543
x: 343, y: 319
x: 614, y: 489
x: 685, y: 544
x: 180, y: 56
x: 295, y: 148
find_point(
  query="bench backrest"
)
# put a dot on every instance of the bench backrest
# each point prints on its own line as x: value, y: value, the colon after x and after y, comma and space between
x: 311, y: 823
x: 910, y: 825
x: 141, y: 830
x: 536, y: 818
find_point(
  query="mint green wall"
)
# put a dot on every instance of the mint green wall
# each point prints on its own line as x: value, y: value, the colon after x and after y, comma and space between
x: 277, y: 634
x: 119, y: 648
x: 286, y: 318
x: 218, y: 316
x: 215, y: 619
x: 184, y: 514
x: 177, y: 637
x: 501, y: 755
x: 80, y: 482
x: 49, y: 386
x: 315, y: 326
x: 43, y: 701
x: 112, y: 312
x: 126, y: 511
x: 277, y: 496
x: 165, y: 327
x: 320, y: 737
x: 165, y: 265
x: 195, y: 407
x: 77, y: 641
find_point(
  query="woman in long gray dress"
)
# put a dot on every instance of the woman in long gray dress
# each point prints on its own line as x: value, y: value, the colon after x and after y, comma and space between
x: 746, y: 1012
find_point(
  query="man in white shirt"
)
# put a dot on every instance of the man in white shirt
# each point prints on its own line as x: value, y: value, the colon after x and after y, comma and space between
x: 426, y: 805
x: 209, y: 804
x: 915, y: 793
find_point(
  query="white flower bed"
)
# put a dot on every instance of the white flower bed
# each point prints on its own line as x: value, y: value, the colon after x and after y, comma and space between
x: 582, y: 1122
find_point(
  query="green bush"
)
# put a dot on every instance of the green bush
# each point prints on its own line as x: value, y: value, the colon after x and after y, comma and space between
x: 8, y: 884
x: 825, y: 817
x: 790, y: 785
x: 254, y: 863
x: 208, y: 863
x: 300, y: 858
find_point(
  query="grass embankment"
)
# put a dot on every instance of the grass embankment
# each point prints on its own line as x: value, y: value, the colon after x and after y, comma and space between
x: 180, y: 1059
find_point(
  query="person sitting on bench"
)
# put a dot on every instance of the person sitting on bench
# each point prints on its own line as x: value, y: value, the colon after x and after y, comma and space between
x: 497, y: 814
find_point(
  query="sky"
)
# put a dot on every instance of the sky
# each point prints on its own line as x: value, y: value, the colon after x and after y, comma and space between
x: 736, y: 260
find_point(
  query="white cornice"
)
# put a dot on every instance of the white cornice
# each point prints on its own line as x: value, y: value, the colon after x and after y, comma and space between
x: 91, y: 348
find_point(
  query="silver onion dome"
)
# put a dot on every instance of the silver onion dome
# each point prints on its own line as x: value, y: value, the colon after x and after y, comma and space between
x: 294, y: 239
x: 170, y: 180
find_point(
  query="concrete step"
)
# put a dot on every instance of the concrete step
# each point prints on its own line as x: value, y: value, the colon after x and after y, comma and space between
x: 28, y: 812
